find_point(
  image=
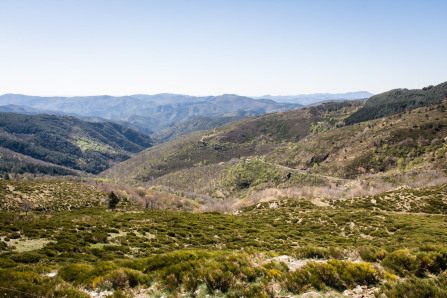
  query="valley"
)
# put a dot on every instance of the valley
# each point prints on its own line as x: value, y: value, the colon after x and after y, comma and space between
x: 339, y: 198
x: 223, y: 149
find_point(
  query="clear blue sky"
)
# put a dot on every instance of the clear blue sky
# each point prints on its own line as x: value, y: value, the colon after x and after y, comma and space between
x: 257, y: 47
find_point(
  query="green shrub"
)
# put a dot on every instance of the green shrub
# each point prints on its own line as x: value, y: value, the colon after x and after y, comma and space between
x: 431, y: 262
x: 102, y: 268
x: 117, y: 248
x: 49, y: 252
x: 336, y: 274
x: 335, y: 252
x: 180, y: 271
x: 123, y: 278
x: 418, y: 287
x: 14, y: 284
x: 7, y: 275
x: 72, y: 293
x: 166, y: 260
x: 189, y: 269
x: 6, y: 263
x: 310, y: 252
x: 401, y: 262
x: 119, y: 294
x: 371, y: 254
x: 113, y: 200
x: 171, y: 282
x: 217, y: 279
x: 251, y: 290
x: 276, y: 270
x: 190, y: 282
x: 14, y: 235
x: 27, y: 257
x: 76, y: 273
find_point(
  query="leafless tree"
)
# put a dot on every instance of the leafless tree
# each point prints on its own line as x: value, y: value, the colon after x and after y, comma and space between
x: 26, y: 206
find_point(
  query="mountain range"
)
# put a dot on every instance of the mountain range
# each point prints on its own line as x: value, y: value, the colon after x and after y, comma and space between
x: 164, y: 116
x: 308, y: 99
x: 147, y: 113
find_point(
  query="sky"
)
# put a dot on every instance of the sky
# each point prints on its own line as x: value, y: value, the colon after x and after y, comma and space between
x: 246, y: 47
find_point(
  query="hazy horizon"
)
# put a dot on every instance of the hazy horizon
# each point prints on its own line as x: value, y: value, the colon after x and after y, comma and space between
x: 191, y: 95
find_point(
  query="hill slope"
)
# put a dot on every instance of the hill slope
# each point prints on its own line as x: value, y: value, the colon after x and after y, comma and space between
x: 397, y: 101
x: 307, y: 147
x: 15, y: 163
x: 196, y: 124
x: 48, y: 195
x: 70, y: 142
x: 283, y: 248
x: 250, y: 137
x: 399, y: 141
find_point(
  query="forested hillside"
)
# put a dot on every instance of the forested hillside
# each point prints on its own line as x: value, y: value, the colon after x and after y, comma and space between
x: 70, y: 142
x: 13, y: 163
x: 397, y: 101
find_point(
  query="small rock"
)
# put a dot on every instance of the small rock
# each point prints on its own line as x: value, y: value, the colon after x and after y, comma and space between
x: 273, y: 205
x: 51, y: 274
x: 358, y: 290
x: 311, y: 295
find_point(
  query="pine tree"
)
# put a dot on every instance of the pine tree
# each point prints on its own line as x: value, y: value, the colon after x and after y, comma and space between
x: 113, y: 200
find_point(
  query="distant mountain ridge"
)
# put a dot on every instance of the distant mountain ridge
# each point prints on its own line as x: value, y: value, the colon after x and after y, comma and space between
x: 147, y: 113
x: 307, y: 99
x: 19, y: 109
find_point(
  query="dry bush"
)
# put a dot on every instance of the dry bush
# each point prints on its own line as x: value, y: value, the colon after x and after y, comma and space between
x: 366, y: 185
x: 148, y: 198
x: 222, y: 206
x: 435, y: 142
x: 422, y: 141
x: 408, y: 142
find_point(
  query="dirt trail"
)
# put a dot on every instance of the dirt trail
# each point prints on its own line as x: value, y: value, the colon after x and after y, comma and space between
x: 304, y: 172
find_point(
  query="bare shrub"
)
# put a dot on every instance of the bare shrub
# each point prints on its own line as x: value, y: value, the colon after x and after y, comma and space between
x: 435, y: 142
x: 422, y: 141
x: 408, y: 142
x: 26, y: 205
x: 148, y: 198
